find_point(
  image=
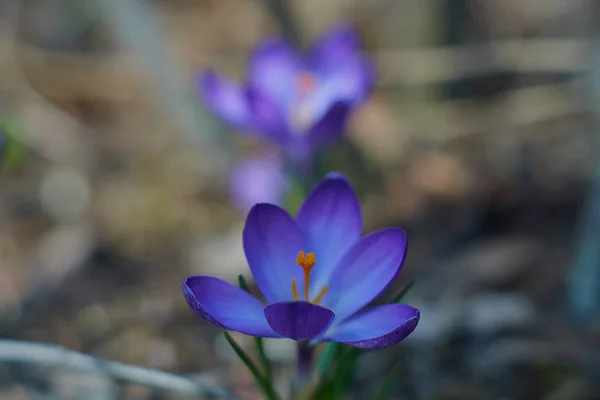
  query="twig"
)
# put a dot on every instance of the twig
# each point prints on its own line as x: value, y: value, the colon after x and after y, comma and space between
x: 56, y: 356
x: 583, y: 284
x: 141, y: 33
x: 281, y: 11
x: 117, y: 78
x: 442, y: 64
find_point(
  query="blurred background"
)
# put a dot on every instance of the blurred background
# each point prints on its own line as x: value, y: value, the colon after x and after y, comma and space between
x: 480, y: 140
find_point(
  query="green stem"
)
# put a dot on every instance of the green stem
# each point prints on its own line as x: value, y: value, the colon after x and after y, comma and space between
x: 264, y: 360
x: 388, y: 382
x: 325, y: 359
x: 398, y: 296
x: 344, y: 368
x: 305, y: 362
x: 261, y: 380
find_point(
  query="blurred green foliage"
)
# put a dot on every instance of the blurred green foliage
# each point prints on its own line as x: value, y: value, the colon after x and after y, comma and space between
x: 12, y: 144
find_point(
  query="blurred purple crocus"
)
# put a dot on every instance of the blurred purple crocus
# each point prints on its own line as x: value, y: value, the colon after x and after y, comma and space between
x: 296, y: 101
x: 260, y: 179
x: 316, y: 274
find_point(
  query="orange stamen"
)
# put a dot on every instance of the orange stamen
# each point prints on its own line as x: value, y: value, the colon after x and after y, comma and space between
x: 320, y: 295
x: 307, y: 262
x: 306, y: 82
x: 295, y: 290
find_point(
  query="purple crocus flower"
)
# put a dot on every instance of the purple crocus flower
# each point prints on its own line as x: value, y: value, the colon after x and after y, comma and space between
x: 296, y: 101
x: 316, y: 274
x: 259, y: 179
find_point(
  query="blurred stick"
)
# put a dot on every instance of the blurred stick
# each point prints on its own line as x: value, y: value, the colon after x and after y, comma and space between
x: 583, y: 285
x: 141, y: 33
x: 116, y: 78
x: 287, y: 25
x: 55, y: 356
x: 441, y: 64
x: 422, y: 30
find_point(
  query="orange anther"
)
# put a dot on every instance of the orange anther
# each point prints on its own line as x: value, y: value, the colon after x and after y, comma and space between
x: 300, y: 258
x: 307, y: 262
x: 306, y: 82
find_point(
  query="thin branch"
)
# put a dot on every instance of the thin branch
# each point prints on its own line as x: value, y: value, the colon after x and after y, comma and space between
x: 442, y: 64
x: 55, y: 356
x: 142, y: 34
x: 287, y: 25
x: 583, y: 284
x: 117, y: 78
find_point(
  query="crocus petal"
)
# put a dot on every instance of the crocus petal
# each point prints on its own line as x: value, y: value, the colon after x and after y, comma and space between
x: 267, y: 116
x: 338, y: 44
x: 376, y: 328
x: 257, y: 180
x: 298, y: 320
x: 272, y: 241
x: 331, y: 221
x: 226, y: 98
x: 351, y: 81
x: 344, y: 72
x: 365, y: 271
x: 274, y: 69
x: 331, y: 126
x: 226, y: 306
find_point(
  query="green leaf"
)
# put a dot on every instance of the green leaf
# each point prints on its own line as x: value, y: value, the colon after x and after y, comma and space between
x: 337, y: 372
x: 264, y: 360
x: 324, y: 390
x: 261, y: 380
x: 323, y: 164
x: 326, y: 364
x: 243, y: 284
x: 15, y: 149
x: 398, y: 297
x: 345, y: 367
x: 365, y: 172
x: 336, y: 363
x: 325, y: 358
x: 295, y: 197
x: 388, y: 381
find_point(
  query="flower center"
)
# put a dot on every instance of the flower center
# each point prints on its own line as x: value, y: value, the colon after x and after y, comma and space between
x: 302, y: 112
x: 306, y: 83
x: 307, y: 262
